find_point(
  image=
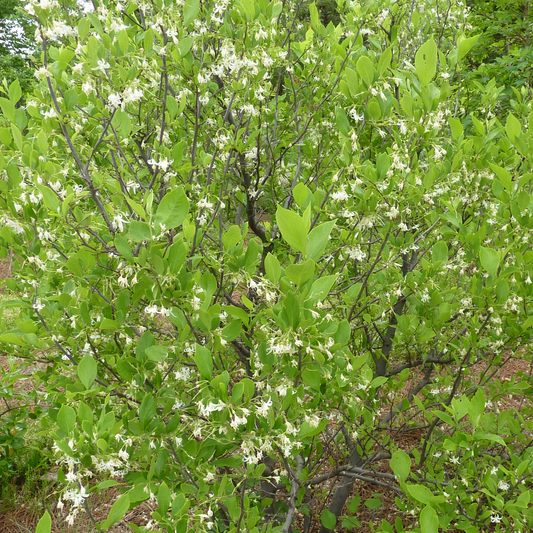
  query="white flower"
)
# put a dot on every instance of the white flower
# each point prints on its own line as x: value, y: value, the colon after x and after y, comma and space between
x: 124, y: 455
x: 340, y: 195
x: 496, y: 519
x: 355, y: 116
x: 131, y: 95
x: 151, y: 310
x: 262, y: 410
x: 102, y: 65
x: 503, y: 485
x: 163, y: 163
x: 71, y: 476
x: 51, y: 113
x: 87, y: 87
x: 114, y: 100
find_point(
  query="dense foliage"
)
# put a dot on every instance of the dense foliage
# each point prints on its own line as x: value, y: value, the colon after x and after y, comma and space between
x: 255, y: 250
x: 16, y: 45
x: 504, y: 52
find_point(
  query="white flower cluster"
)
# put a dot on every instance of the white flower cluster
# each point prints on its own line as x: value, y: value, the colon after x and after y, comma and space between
x: 59, y: 30
x: 211, y: 407
x: 153, y: 310
x: 13, y: 224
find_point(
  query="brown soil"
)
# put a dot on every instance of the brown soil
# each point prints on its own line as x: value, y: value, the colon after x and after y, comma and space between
x: 6, y: 268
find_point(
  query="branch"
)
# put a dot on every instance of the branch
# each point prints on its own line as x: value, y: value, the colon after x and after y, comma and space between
x: 295, y: 487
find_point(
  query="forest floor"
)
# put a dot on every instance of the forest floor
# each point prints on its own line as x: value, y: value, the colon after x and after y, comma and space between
x: 29, y: 493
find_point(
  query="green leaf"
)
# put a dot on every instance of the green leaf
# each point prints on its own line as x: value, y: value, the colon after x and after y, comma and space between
x: 373, y: 110
x: 15, y: 92
x: 185, y: 45
x: 476, y: 408
x: 87, y: 370
x: 293, y: 228
x: 328, y: 519
x: 365, y: 68
x: 42, y: 142
x: 384, y: 61
x: 190, y: 12
x: 173, y: 209
x: 45, y: 524
x: 292, y: 308
x: 502, y: 290
x: 301, y: 273
x: 277, y: 8
x: 117, y: 512
x: 429, y: 521
x: 353, y: 81
x: 313, y: 13
x: 71, y: 99
x: 8, y: 109
x: 440, y: 252
x: 249, y: 8
x: 122, y: 123
x: 342, y: 121
x: 426, y: 62
x: 84, y: 413
x: 249, y: 388
x: 353, y: 504
x: 377, y: 382
x: 163, y: 497
x: 513, y: 127
x: 5, y: 136
x: 504, y: 176
x: 140, y: 231
x: 373, y: 503
x: 84, y: 27
x: 49, y: 197
x: 301, y: 194
x: 456, y: 126
x: 66, y: 419
x: 123, y: 248
x: 465, y: 44
x: 12, y: 338
x: 490, y: 260
x: 204, y: 361
x: 400, y: 464
x: 272, y: 268
x: 156, y: 352
x: 478, y: 435
x: 231, y: 237
x: 421, y: 493
x: 321, y: 287
x: 147, y: 411
x: 318, y: 239
x: 382, y: 165
x: 232, y: 330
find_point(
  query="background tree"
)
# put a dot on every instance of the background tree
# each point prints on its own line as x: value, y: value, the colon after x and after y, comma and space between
x: 17, y: 44
x: 504, y: 53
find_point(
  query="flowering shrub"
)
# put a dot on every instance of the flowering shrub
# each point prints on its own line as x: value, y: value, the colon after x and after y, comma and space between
x: 256, y: 251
